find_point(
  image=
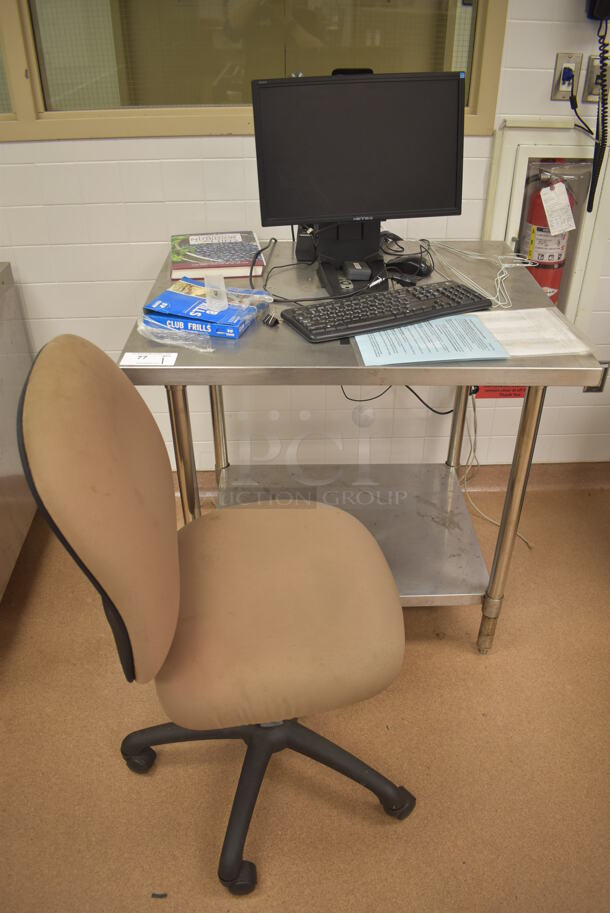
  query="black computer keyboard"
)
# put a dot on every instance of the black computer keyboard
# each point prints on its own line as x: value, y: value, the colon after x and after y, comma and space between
x: 339, y: 317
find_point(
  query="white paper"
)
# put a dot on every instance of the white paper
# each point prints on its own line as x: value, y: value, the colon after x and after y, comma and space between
x: 134, y: 359
x: 539, y: 331
x: 557, y: 208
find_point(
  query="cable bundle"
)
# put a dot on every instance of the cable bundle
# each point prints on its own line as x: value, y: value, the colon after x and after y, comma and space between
x: 505, y: 262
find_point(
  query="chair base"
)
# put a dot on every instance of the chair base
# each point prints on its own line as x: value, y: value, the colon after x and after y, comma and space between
x: 236, y: 873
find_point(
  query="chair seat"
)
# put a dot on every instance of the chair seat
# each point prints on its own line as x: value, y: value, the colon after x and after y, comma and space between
x: 286, y: 610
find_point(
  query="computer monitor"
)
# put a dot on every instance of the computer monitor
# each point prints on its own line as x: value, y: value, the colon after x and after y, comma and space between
x: 341, y: 153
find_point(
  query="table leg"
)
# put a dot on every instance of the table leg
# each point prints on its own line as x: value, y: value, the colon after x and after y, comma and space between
x: 513, y: 503
x: 457, y: 426
x: 221, y: 452
x: 177, y: 401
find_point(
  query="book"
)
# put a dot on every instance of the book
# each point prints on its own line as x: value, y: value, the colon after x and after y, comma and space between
x: 183, y: 306
x: 226, y: 253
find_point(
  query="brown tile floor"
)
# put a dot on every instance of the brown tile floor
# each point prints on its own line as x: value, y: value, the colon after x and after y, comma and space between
x: 507, y: 754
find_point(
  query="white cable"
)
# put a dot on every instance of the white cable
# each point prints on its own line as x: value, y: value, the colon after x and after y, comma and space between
x: 472, y: 461
x: 504, y: 262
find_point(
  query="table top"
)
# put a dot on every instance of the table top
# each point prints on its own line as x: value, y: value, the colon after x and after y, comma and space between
x: 280, y: 355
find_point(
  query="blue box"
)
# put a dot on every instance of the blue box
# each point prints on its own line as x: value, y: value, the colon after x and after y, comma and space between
x: 183, y: 307
x: 234, y: 330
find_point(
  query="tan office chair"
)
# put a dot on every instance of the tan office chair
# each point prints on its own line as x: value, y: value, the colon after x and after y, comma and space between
x: 246, y: 619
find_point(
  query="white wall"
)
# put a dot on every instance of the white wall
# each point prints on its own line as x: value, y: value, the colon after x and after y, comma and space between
x: 86, y: 224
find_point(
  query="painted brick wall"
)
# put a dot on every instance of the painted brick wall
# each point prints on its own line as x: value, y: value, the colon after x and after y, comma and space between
x: 85, y: 225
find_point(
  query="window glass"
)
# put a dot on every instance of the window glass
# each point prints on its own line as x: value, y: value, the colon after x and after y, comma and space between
x: 122, y: 53
x: 5, y: 101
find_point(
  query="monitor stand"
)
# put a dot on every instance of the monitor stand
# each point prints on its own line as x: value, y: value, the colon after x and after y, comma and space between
x: 335, y: 242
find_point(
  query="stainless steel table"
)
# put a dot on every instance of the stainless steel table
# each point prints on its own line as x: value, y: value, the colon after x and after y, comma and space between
x: 417, y: 513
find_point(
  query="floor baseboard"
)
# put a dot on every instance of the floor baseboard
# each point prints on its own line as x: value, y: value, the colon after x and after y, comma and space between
x: 543, y: 477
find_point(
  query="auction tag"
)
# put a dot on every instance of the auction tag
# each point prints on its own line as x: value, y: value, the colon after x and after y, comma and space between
x: 134, y: 359
x: 557, y: 208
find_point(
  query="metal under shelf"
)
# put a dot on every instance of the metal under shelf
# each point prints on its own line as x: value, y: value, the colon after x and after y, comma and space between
x: 417, y: 514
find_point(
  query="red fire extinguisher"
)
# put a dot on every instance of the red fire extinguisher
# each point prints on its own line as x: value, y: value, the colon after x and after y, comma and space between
x: 537, y: 243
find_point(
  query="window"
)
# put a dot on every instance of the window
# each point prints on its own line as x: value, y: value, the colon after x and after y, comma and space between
x: 99, y: 54
x: 154, y: 67
x: 5, y: 102
x: 77, y: 51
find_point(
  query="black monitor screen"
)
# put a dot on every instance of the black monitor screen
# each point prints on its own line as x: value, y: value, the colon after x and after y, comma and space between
x: 342, y: 148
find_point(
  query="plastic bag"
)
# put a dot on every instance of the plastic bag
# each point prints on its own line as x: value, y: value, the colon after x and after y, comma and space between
x: 201, y: 340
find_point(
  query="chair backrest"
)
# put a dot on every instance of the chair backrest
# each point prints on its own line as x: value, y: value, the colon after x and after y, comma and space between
x: 99, y: 470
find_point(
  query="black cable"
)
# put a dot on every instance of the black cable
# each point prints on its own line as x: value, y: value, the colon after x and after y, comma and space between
x: 368, y: 399
x: 261, y: 250
x: 601, y: 130
x: 423, y: 261
x: 583, y: 125
x: 278, y: 297
x: 284, y: 266
x: 588, y: 132
x: 427, y: 405
x: 426, y: 248
x: 385, y: 248
x: 292, y: 232
x: 357, y: 291
x: 319, y: 231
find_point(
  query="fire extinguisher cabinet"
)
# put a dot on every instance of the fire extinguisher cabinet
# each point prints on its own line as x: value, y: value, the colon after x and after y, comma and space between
x: 550, y: 253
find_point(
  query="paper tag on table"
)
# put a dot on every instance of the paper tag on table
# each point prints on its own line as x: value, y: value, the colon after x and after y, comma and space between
x: 160, y: 359
x: 557, y: 208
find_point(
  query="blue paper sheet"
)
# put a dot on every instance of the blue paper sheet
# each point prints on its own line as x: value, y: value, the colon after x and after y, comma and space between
x: 459, y: 338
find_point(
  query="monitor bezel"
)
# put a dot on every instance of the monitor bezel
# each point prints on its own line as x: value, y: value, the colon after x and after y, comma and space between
x: 294, y: 83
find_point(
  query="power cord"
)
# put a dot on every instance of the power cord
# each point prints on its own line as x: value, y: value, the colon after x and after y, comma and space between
x: 427, y: 405
x: 372, y: 282
x: 293, y: 263
x: 583, y: 125
x: 261, y: 250
x: 369, y: 399
x: 390, y: 243
x: 472, y: 465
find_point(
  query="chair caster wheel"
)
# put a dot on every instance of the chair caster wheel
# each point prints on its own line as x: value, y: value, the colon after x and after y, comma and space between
x: 245, y: 881
x: 142, y: 762
x: 407, y: 804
